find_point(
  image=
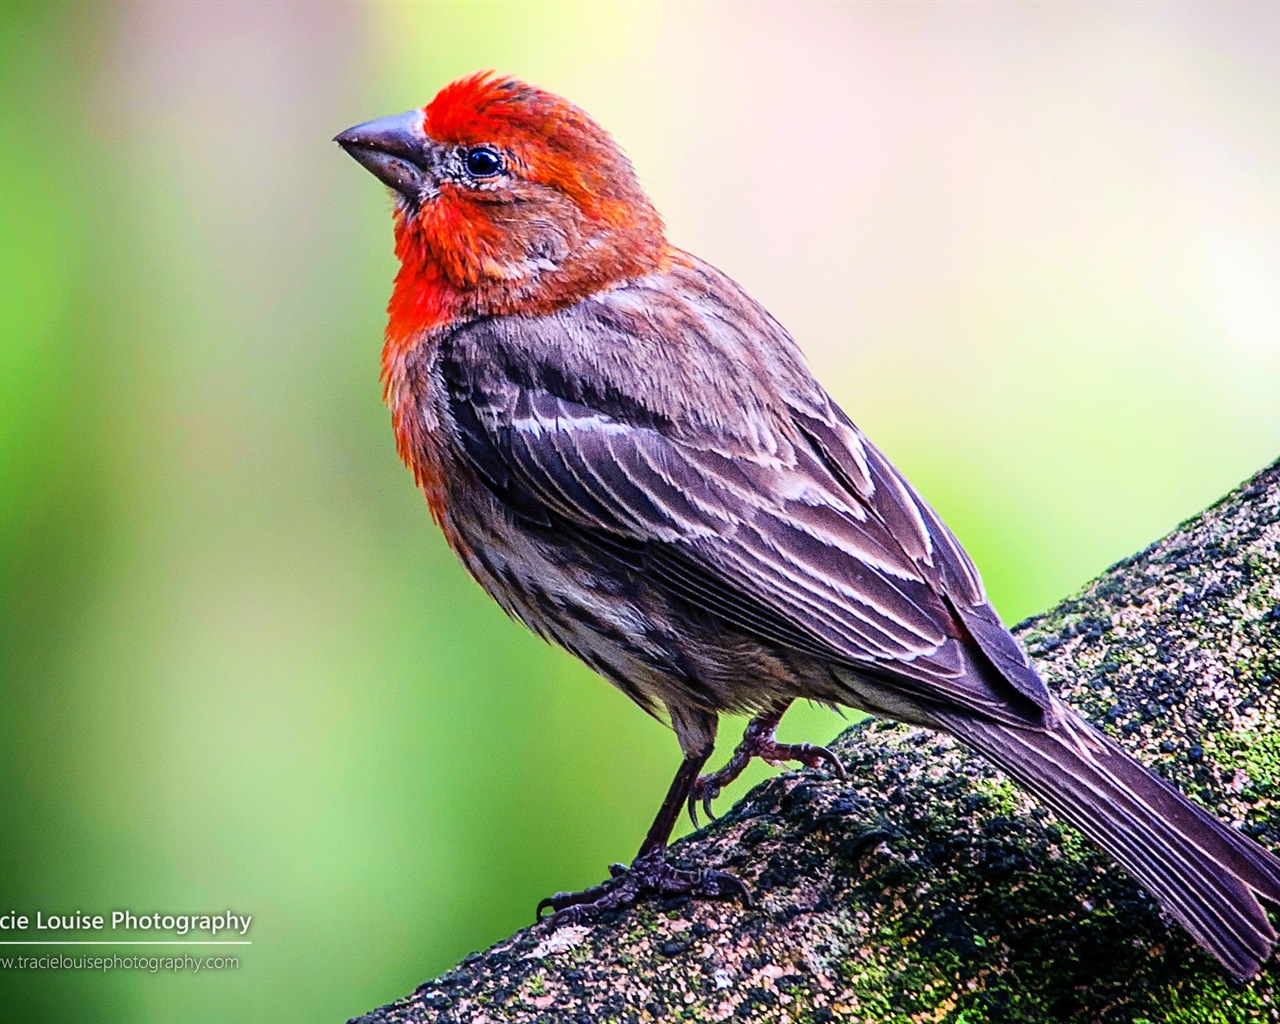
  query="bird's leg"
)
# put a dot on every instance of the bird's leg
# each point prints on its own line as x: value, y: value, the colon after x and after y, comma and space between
x: 650, y: 875
x: 758, y: 741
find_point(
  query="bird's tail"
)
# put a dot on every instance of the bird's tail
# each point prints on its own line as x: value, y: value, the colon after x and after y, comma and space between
x: 1204, y: 874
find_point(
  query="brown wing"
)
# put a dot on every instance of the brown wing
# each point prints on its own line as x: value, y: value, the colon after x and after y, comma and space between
x: 773, y: 514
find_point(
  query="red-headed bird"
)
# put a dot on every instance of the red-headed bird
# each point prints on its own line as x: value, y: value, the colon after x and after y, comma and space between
x: 630, y: 455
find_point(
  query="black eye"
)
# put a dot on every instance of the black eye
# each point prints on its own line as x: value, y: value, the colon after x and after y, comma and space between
x: 483, y: 162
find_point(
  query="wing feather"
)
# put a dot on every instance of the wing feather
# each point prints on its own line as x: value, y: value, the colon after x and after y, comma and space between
x: 790, y: 528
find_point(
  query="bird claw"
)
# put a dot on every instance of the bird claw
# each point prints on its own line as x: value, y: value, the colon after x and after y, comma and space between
x: 815, y: 757
x: 765, y: 747
x: 704, y: 787
x: 649, y: 876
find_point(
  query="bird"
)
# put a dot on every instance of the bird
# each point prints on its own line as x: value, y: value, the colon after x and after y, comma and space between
x: 632, y: 457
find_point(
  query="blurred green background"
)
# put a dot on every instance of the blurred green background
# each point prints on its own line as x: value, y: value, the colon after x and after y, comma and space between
x: 1034, y: 250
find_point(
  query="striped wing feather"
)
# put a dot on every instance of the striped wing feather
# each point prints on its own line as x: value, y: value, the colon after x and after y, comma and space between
x: 796, y: 532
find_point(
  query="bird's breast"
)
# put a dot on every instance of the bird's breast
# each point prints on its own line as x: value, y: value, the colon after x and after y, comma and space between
x: 417, y: 427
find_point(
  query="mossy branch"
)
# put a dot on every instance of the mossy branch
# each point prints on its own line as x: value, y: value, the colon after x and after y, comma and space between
x: 929, y: 888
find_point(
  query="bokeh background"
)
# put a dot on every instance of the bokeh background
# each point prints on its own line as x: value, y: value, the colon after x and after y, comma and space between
x: 1034, y: 250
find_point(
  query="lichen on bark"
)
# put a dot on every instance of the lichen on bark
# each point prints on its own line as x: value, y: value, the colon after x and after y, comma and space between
x: 927, y: 887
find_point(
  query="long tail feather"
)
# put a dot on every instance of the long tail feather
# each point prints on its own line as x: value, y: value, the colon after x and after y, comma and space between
x: 1204, y: 874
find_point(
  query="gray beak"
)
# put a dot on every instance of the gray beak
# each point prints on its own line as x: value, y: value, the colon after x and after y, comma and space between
x: 393, y: 149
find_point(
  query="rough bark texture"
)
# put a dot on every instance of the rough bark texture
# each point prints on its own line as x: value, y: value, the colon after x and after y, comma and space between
x: 928, y: 887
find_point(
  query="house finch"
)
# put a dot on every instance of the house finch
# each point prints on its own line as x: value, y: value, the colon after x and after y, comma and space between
x: 629, y: 454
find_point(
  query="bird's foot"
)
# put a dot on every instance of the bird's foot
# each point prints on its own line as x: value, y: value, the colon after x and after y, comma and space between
x: 757, y: 741
x: 649, y: 876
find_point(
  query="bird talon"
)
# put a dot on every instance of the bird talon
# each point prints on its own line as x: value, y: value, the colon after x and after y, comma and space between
x: 547, y: 903
x: 650, y: 876
x: 820, y: 755
x: 735, y: 886
x: 705, y: 788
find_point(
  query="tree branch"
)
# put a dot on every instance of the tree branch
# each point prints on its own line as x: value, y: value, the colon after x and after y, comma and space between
x: 927, y: 886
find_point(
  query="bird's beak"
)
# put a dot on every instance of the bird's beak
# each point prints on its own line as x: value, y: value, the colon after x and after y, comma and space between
x: 394, y: 150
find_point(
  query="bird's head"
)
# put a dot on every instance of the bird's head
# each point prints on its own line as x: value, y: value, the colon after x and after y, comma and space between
x: 508, y: 199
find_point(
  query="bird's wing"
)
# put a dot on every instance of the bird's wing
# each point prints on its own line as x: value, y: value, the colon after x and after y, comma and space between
x: 943, y: 563
x: 798, y: 533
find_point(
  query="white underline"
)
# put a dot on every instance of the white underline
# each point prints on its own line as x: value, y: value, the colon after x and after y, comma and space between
x: 88, y: 943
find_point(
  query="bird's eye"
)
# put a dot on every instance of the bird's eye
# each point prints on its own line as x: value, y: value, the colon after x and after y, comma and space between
x: 483, y: 162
